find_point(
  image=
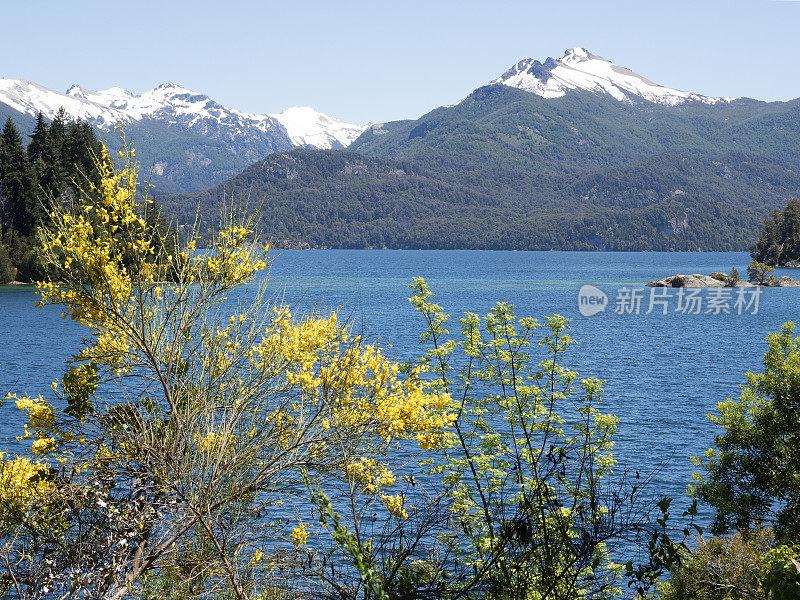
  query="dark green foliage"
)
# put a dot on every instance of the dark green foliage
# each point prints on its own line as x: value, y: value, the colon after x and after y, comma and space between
x: 779, y: 242
x: 758, y: 272
x: 38, y: 141
x: 16, y: 184
x: 343, y: 200
x: 59, y: 155
x: 23, y: 257
x: 750, y: 476
x: 782, y: 581
x: 79, y: 152
x: 727, y: 568
x: 8, y: 271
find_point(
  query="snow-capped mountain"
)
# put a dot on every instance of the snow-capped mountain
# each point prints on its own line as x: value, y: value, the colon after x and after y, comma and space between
x: 173, y: 105
x: 307, y: 127
x: 579, y: 69
x: 185, y: 139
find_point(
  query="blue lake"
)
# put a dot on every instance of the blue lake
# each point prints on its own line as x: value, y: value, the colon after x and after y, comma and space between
x: 663, y: 373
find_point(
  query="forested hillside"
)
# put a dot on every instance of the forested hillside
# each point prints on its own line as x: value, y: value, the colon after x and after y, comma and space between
x: 344, y: 200
x: 507, y: 169
x: 499, y: 125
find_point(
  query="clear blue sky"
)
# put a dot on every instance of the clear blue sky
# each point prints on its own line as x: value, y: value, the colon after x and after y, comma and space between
x: 369, y: 60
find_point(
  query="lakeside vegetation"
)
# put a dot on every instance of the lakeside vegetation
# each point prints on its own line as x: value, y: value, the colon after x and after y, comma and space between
x: 61, y: 158
x: 779, y: 242
x: 208, y: 443
x: 32, y: 179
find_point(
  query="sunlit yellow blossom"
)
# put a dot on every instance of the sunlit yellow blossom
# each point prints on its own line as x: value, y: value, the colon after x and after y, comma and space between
x: 20, y: 482
x: 299, y: 535
x: 395, y: 505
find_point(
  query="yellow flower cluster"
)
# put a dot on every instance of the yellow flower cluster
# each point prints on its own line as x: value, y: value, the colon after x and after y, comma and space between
x: 371, y: 394
x: 300, y: 345
x: 21, y: 481
x: 299, y: 535
x: 231, y: 258
x: 395, y: 505
x: 41, y: 422
x: 213, y: 442
x: 360, y: 384
x: 370, y: 474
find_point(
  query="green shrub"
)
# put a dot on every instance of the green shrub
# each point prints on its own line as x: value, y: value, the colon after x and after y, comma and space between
x: 722, y: 568
x: 734, y: 277
x: 759, y: 272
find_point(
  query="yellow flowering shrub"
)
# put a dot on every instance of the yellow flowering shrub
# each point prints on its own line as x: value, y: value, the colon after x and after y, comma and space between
x: 213, y: 415
x: 21, y: 481
x: 299, y: 535
x: 395, y: 505
x: 370, y: 475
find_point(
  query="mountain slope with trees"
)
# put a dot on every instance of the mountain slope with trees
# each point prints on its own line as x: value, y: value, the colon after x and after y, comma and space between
x: 345, y: 200
x: 509, y: 169
x: 504, y: 126
x: 573, y: 153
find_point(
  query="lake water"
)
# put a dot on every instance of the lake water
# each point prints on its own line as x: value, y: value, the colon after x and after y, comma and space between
x: 663, y: 373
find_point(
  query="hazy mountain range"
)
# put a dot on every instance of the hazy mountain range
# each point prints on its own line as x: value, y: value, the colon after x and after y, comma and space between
x: 575, y: 152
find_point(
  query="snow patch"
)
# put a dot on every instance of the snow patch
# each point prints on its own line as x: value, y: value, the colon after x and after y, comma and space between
x: 579, y: 69
x: 308, y: 127
x: 174, y: 104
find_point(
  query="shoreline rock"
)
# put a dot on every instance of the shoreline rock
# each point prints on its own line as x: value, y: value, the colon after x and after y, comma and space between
x: 789, y: 264
x: 16, y: 283
x: 698, y: 280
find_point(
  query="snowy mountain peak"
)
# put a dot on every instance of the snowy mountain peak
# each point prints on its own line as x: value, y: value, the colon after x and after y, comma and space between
x: 76, y: 91
x: 174, y: 104
x: 579, y: 69
x: 577, y: 54
x: 308, y: 127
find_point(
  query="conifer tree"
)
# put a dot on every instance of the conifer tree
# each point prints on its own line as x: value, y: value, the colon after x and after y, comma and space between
x: 58, y: 128
x: 80, y: 151
x: 15, y: 181
x: 49, y: 167
x: 38, y: 139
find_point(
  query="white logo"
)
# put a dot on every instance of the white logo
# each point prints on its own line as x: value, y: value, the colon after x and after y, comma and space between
x: 591, y: 300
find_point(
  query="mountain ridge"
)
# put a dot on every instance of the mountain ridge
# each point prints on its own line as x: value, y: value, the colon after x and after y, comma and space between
x: 341, y: 199
x: 580, y: 69
x: 186, y: 140
x: 105, y: 109
x: 570, y: 153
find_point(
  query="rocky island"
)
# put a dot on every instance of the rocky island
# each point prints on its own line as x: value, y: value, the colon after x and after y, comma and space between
x: 719, y: 280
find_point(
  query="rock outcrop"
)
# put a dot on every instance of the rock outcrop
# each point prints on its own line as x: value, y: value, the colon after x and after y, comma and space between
x: 694, y: 281
x: 718, y: 280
